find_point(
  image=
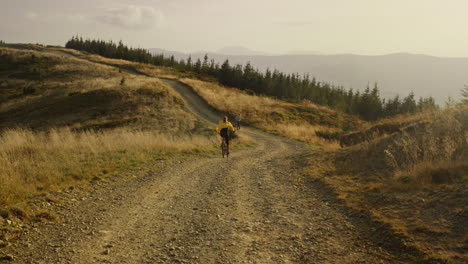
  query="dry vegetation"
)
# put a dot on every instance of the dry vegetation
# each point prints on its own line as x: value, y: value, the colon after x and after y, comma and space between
x: 414, y: 180
x: 146, y: 69
x: 66, y: 120
x: 83, y: 95
x: 34, y: 162
x: 291, y: 120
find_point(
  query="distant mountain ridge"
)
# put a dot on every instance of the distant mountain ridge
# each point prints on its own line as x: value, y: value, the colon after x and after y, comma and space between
x: 239, y: 50
x: 398, y: 73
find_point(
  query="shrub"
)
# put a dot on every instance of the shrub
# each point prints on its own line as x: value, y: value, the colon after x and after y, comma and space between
x: 29, y: 90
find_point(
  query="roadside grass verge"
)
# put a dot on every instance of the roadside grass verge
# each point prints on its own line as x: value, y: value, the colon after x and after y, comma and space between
x: 414, y: 181
x: 36, y: 162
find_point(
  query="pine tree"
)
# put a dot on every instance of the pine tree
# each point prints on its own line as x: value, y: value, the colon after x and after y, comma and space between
x: 409, y: 105
x: 465, y: 95
x: 205, y: 66
x: 224, y: 73
x: 198, y: 66
x: 189, y: 63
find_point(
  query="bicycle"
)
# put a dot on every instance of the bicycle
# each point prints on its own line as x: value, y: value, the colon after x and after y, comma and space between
x: 224, y: 147
x: 224, y: 151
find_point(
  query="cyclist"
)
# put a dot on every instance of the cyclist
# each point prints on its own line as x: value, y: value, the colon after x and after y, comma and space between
x: 238, y: 120
x: 223, y: 130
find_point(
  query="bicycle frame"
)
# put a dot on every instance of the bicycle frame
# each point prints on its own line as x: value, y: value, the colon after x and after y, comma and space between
x: 224, y: 148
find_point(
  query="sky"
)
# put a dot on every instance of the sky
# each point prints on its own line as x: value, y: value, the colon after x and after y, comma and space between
x: 366, y: 27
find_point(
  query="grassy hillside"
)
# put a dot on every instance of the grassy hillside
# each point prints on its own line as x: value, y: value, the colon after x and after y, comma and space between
x: 299, y: 121
x: 41, y: 90
x: 66, y: 120
x: 413, y: 179
x: 306, y: 121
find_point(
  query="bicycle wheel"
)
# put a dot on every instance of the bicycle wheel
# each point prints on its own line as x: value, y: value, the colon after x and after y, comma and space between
x: 224, y: 148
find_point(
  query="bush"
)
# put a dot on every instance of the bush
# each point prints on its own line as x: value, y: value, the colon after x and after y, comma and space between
x: 29, y: 90
x: 249, y: 92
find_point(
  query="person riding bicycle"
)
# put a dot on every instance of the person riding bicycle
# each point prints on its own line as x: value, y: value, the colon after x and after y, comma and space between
x: 238, y: 119
x: 223, y: 130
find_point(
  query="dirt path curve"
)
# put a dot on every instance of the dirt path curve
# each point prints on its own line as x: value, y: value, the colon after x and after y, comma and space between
x: 255, y: 208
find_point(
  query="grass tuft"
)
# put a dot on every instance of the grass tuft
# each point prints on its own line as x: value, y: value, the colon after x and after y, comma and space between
x: 44, y: 216
x: 19, y: 213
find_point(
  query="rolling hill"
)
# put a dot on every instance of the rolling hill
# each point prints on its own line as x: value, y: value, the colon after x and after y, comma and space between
x: 396, y: 74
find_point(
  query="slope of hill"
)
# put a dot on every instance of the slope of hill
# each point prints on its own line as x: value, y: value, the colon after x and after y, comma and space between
x: 66, y: 120
x: 43, y: 90
x: 396, y: 74
x: 413, y: 179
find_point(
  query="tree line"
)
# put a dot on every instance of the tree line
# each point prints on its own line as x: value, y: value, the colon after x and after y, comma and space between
x: 294, y: 87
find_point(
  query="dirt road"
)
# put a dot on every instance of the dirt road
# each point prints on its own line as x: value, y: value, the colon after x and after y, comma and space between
x: 258, y: 207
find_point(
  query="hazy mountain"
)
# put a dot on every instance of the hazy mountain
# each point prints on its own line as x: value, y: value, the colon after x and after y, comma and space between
x: 238, y: 50
x: 303, y: 52
x: 398, y: 73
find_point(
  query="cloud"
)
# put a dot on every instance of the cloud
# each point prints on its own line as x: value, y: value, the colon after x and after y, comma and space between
x: 132, y: 17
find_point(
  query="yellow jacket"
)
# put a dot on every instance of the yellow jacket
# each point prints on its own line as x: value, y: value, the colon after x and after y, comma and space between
x: 222, y: 125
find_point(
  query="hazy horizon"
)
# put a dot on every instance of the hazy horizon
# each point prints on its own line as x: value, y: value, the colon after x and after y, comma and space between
x: 219, y: 51
x: 364, y: 27
x: 396, y: 74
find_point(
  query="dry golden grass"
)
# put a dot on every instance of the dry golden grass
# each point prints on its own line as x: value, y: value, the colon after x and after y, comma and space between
x: 427, y: 173
x: 232, y: 100
x: 415, y: 181
x: 424, y: 116
x: 60, y: 64
x: 306, y: 132
x: 32, y: 162
x: 428, y: 214
x: 287, y: 119
x: 147, y: 69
